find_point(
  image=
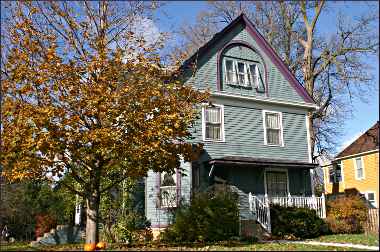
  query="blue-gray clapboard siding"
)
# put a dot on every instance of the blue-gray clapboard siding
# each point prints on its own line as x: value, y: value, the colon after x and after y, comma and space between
x: 160, y: 217
x: 206, y: 74
x: 244, y: 132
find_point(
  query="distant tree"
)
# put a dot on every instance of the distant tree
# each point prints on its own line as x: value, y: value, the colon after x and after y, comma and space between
x: 86, y: 98
x: 22, y: 203
x: 332, y: 67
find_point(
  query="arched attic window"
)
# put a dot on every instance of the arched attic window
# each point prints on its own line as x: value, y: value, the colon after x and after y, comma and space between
x: 242, y: 67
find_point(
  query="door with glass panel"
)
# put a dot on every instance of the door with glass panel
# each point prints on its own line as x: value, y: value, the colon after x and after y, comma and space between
x: 276, y: 183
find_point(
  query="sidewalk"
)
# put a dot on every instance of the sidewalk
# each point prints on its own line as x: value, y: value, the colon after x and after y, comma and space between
x: 343, y: 245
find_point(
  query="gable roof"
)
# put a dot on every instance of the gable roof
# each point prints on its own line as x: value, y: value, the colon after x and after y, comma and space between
x: 366, y: 142
x: 263, y: 44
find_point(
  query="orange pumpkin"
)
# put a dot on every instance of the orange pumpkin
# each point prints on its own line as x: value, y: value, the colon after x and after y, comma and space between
x: 101, y: 245
x: 89, y: 247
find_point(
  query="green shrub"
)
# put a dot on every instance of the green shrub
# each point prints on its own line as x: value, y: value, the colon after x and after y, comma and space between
x: 346, y: 214
x: 132, y: 227
x: 211, y: 216
x: 297, y: 222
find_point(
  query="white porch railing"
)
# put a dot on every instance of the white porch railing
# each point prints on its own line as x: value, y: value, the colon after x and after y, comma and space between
x: 261, y: 210
x: 260, y: 206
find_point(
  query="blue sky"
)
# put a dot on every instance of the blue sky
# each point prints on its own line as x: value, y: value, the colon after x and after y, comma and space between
x: 365, y: 114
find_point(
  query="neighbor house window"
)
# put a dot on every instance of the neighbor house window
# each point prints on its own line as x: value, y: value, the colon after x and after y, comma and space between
x: 335, y: 173
x: 168, y: 190
x: 273, y: 128
x: 359, y: 168
x: 242, y: 73
x: 370, y: 196
x: 213, y: 123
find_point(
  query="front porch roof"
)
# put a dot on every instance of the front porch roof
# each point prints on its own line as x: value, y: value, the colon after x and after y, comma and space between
x: 262, y: 162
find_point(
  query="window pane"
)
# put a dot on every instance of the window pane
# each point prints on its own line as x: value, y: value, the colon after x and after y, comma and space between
x: 276, y: 183
x: 168, y: 180
x: 331, y: 175
x: 213, y: 131
x: 273, y: 136
x: 272, y: 121
x: 168, y: 196
x: 371, y: 196
x: 213, y: 115
x: 230, y: 74
x: 229, y: 65
x: 253, y: 77
x: 241, y: 67
x: 359, y: 168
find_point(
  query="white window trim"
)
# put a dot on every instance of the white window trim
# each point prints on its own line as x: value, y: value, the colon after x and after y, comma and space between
x: 162, y: 206
x: 374, y: 197
x: 222, y: 140
x: 282, y: 144
x: 247, y: 73
x: 279, y: 170
x: 356, y: 168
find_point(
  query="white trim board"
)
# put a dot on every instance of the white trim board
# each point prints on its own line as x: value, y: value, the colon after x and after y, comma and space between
x: 266, y: 100
x: 357, y: 154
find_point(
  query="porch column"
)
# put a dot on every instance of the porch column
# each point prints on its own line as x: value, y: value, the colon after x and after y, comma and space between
x: 312, y: 181
x: 78, y: 209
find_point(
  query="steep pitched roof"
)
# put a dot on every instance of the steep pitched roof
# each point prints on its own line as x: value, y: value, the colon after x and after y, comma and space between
x: 263, y: 44
x: 366, y: 142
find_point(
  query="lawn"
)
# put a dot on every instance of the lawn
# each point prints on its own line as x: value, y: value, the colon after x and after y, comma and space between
x: 370, y: 239
x: 236, y: 247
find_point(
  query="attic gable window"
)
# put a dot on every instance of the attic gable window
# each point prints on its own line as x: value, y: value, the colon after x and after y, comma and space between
x: 243, y: 73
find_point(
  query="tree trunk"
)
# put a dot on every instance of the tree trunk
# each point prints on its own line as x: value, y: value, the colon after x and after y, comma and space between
x: 92, y: 228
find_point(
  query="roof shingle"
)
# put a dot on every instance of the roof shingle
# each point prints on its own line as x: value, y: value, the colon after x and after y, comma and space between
x: 366, y: 142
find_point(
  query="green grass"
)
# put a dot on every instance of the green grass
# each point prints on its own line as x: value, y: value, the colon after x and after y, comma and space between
x: 236, y: 247
x: 370, y: 239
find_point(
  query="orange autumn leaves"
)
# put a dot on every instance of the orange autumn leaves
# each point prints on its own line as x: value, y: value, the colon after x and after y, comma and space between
x: 74, y: 105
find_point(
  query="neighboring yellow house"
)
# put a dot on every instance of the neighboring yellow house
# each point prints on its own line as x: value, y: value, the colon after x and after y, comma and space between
x: 356, y: 167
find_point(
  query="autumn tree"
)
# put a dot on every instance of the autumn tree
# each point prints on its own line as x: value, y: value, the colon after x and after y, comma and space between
x: 332, y: 66
x: 84, y: 96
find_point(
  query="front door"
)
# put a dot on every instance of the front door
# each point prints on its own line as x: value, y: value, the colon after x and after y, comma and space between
x: 276, y: 183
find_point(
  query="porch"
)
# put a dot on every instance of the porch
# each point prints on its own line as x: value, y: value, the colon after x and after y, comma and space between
x: 261, y: 182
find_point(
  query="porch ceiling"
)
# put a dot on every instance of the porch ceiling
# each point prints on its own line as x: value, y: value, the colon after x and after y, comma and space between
x: 260, y: 162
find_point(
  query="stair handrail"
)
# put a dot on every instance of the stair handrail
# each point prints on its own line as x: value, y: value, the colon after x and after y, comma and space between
x: 261, y: 210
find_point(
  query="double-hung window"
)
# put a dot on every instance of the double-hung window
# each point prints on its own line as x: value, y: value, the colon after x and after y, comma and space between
x: 359, y: 168
x: 213, y: 123
x: 273, y: 128
x: 241, y: 73
x: 370, y: 196
x: 168, y: 190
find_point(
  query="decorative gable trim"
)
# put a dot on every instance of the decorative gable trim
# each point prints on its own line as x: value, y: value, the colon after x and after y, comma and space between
x: 264, y: 45
x: 239, y: 42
